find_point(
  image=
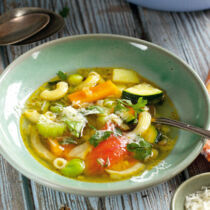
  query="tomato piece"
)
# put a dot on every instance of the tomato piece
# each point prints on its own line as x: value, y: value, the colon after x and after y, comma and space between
x: 106, y: 154
x: 206, y: 150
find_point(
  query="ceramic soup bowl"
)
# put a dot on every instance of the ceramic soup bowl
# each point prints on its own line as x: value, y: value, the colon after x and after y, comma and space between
x: 38, y: 65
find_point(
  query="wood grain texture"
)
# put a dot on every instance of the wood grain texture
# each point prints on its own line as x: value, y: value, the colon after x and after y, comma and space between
x: 13, y: 186
x: 185, y: 34
x: 109, y: 16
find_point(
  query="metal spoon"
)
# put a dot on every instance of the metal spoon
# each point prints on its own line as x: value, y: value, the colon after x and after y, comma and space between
x: 200, y: 131
x: 14, y: 29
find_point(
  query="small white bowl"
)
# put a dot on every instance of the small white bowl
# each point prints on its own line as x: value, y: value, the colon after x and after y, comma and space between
x: 190, y: 186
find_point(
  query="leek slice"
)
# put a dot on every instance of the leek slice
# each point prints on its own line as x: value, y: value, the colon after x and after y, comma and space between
x: 39, y: 148
x: 125, y: 173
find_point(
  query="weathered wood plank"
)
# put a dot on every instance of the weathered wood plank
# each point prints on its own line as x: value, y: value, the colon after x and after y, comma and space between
x: 12, y: 188
x: 187, y: 35
x: 12, y: 183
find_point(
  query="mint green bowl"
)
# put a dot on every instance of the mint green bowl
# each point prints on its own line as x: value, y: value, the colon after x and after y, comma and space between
x: 38, y: 65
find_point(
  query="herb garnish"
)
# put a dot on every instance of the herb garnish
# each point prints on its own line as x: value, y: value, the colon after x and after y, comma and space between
x: 117, y: 132
x: 123, y: 104
x: 141, y: 148
x: 99, y: 136
x: 64, y: 12
x: 92, y: 110
x: 75, y: 127
x: 51, y: 83
x: 91, y: 126
x: 62, y: 75
x: 68, y: 140
x: 139, y: 105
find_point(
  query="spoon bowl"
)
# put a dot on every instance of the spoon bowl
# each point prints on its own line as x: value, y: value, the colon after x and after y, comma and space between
x: 16, y: 28
x: 55, y: 24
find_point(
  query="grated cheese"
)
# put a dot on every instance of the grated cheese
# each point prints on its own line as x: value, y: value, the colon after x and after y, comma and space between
x: 199, y: 200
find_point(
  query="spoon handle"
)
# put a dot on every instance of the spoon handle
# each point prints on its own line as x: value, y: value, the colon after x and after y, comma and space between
x: 185, y: 126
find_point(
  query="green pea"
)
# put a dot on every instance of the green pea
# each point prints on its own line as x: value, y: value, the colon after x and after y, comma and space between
x: 75, y: 79
x: 73, y: 168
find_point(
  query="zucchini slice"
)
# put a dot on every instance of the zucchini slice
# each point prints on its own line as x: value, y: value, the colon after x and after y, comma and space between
x: 145, y: 90
x: 152, y: 135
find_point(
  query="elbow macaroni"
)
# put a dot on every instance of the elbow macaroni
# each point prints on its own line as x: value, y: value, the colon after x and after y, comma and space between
x: 144, y: 123
x: 59, y: 163
x: 91, y: 81
x: 32, y: 115
x: 59, y: 92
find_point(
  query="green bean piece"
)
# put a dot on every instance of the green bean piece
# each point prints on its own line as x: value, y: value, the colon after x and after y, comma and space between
x: 73, y: 168
x: 75, y: 79
x: 56, y: 108
x: 101, y: 120
x: 109, y: 103
x: 45, y: 106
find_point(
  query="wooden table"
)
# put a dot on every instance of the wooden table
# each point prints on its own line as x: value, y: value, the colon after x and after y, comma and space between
x: 185, y: 34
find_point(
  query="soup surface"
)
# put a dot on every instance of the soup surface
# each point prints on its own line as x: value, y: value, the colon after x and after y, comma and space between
x: 96, y: 125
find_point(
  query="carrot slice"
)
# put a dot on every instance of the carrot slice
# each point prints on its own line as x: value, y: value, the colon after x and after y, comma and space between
x: 55, y: 147
x: 60, y: 150
x: 92, y: 94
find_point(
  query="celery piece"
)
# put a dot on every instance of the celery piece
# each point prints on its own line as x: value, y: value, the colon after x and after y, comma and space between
x: 48, y: 128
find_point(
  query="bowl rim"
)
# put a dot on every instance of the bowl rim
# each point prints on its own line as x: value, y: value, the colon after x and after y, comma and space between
x: 120, y: 190
x: 184, y: 184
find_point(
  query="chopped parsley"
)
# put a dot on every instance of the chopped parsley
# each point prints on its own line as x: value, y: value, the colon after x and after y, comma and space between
x: 99, y: 136
x: 51, y: 83
x: 122, y: 108
x: 92, y: 110
x: 75, y: 127
x: 139, y: 105
x: 117, y: 132
x: 64, y: 12
x: 62, y: 75
x: 68, y: 140
x: 141, y: 148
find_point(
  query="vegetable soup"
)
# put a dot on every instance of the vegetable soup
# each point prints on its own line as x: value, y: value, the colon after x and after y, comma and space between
x: 96, y: 125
